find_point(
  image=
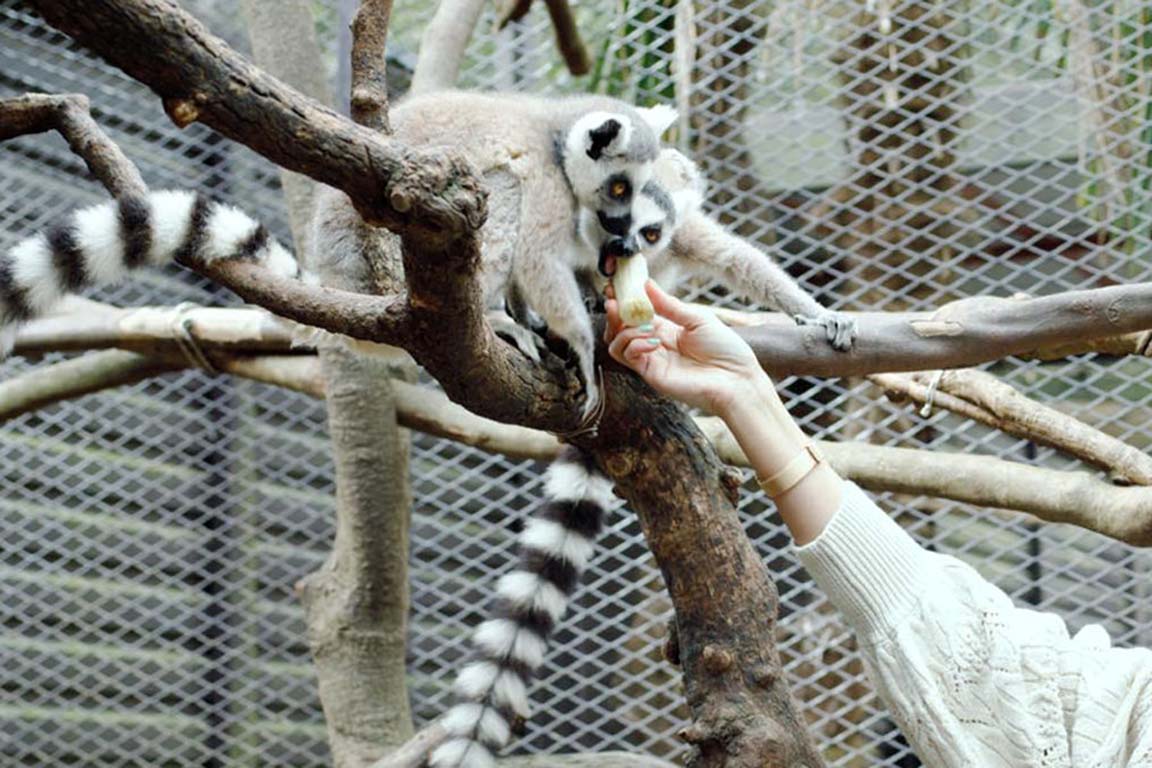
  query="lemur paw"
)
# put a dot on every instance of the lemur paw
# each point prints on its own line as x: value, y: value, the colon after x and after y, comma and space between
x: 839, y: 329
x: 526, y: 342
x: 592, y: 411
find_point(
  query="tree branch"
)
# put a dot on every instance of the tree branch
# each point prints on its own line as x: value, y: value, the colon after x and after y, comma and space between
x: 70, y: 115
x: 568, y: 39
x: 369, y: 96
x: 356, y: 604
x: 253, y: 330
x: 201, y: 79
x: 1082, y: 500
x: 743, y: 712
x: 443, y: 44
x: 984, y: 398
x: 959, y: 334
x: 74, y: 378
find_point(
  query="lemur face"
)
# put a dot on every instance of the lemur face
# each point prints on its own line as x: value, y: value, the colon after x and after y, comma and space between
x: 675, y: 189
x: 608, y: 158
x: 653, y: 220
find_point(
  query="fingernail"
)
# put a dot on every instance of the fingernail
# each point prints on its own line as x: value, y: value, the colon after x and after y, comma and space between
x: 647, y: 327
x: 653, y: 342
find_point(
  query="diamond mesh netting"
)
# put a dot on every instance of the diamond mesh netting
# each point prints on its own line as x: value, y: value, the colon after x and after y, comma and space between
x: 894, y: 155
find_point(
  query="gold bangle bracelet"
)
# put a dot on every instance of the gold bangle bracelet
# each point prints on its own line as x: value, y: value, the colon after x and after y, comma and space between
x: 793, y: 472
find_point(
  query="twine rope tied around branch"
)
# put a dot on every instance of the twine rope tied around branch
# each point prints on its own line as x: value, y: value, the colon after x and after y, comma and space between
x: 186, y: 341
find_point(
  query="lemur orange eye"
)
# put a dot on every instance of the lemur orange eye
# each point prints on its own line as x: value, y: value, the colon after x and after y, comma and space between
x: 652, y: 234
x: 619, y: 189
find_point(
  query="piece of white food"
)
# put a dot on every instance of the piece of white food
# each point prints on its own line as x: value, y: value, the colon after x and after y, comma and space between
x: 628, y: 283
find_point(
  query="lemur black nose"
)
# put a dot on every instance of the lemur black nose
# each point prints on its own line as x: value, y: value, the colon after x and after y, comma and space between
x: 614, y: 225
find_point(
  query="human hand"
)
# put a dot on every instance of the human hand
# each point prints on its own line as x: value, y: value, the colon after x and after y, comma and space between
x: 685, y: 353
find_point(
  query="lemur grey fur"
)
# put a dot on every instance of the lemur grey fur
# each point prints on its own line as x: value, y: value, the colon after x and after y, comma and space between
x: 543, y: 161
x: 102, y: 244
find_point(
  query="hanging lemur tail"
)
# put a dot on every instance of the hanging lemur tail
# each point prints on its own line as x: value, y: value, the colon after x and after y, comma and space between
x: 554, y: 548
x: 104, y: 243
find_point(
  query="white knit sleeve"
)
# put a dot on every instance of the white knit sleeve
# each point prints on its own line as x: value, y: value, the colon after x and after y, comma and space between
x: 971, y: 679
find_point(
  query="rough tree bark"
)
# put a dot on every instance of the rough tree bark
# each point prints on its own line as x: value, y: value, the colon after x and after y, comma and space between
x: 743, y: 712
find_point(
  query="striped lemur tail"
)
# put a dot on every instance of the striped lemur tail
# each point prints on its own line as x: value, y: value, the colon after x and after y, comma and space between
x: 492, y: 691
x: 104, y: 243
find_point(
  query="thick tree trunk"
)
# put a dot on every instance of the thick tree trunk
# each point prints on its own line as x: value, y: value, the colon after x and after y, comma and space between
x: 726, y: 605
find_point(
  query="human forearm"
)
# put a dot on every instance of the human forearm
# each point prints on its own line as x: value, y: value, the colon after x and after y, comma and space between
x: 770, y: 438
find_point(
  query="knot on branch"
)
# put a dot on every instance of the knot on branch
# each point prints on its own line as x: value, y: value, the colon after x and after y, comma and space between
x: 716, y: 661
x: 439, y: 191
x: 182, y: 112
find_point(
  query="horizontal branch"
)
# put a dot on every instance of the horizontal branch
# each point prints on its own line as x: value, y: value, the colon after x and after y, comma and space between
x: 76, y: 377
x: 251, y: 330
x: 153, y: 329
x: 985, y: 399
x: 1076, y: 498
x: 429, y: 192
x: 960, y: 334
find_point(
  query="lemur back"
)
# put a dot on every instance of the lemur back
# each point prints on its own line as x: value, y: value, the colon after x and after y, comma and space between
x: 104, y: 243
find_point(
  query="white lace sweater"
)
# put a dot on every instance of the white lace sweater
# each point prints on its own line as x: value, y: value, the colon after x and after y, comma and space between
x: 973, y: 681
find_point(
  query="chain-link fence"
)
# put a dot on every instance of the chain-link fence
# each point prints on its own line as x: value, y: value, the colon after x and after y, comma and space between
x: 893, y: 155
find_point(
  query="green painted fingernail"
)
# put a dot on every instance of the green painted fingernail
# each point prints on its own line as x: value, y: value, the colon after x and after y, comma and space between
x: 647, y: 327
x: 653, y: 342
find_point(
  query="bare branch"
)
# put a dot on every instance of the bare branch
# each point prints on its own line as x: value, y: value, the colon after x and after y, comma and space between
x: 369, y: 80
x: 69, y: 114
x: 985, y: 399
x: 443, y: 44
x: 568, y: 38
x: 795, y: 350
x: 508, y: 11
x: 73, y: 378
x: 153, y: 329
x: 959, y: 334
x: 201, y: 79
x: 1054, y: 496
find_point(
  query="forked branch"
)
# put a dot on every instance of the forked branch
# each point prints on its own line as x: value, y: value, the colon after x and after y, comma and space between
x: 70, y: 115
x: 984, y: 398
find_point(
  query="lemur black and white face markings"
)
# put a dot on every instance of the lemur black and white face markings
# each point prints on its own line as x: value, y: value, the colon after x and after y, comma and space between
x: 104, y: 243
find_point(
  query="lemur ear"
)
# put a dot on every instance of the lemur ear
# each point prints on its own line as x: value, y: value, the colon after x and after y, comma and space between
x: 659, y: 118
x: 602, y: 136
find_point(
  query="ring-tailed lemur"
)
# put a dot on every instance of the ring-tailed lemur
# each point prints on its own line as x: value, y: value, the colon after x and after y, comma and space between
x: 103, y: 243
x: 544, y: 161
x: 563, y: 154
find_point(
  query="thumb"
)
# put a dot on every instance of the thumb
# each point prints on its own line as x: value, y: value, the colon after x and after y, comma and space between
x: 672, y: 308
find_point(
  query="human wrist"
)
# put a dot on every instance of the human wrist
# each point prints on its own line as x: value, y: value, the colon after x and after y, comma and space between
x: 751, y: 393
x: 762, y: 426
